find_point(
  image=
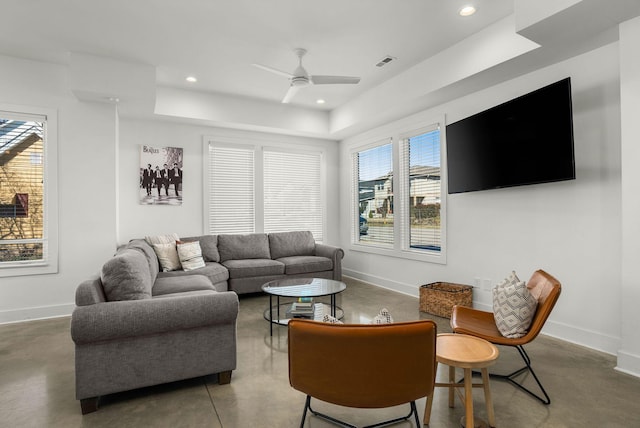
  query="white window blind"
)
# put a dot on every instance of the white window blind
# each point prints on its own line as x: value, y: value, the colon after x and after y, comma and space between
x: 231, y: 189
x: 23, y: 234
x: 293, y: 192
x: 373, y: 184
x: 421, y: 190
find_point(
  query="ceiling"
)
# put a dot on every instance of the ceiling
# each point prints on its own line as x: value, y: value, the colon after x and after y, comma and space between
x: 218, y: 40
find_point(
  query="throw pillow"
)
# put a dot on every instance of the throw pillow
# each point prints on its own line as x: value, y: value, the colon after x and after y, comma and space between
x: 190, y: 255
x: 513, y: 309
x: 126, y: 276
x: 168, y: 256
x: 331, y: 320
x: 162, y: 239
x: 512, y: 279
x: 383, y: 317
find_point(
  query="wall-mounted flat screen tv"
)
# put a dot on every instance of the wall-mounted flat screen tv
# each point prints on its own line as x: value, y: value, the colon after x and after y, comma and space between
x: 527, y: 140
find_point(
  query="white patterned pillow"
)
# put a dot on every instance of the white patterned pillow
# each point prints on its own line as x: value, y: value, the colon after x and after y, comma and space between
x: 190, y: 255
x: 167, y: 256
x: 512, y: 279
x: 513, y: 309
x: 331, y: 320
x: 383, y: 317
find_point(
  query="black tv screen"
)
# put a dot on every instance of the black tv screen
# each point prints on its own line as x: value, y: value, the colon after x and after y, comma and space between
x: 527, y: 140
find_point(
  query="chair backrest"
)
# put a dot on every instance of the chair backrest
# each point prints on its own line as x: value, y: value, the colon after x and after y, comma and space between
x: 363, y: 366
x: 551, y: 291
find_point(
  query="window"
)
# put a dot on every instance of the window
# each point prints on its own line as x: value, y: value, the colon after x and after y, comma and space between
x: 398, y: 205
x: 373, y: 185
x: 28, y: 232
x: 292, y: 192
x: 263, y: 189
x: 231, y: 190
x: 421, y: 164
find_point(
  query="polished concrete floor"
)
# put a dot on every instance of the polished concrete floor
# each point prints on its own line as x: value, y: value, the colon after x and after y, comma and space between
x: 37, y: 381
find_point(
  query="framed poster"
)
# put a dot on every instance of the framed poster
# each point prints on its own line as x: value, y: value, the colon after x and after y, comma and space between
x: 160, y: 180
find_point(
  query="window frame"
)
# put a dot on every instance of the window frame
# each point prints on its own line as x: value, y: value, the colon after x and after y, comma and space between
x: 401, y: 247
x: 49, y: 264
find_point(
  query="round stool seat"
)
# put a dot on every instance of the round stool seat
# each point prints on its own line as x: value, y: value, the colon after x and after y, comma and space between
x: 464, y: 351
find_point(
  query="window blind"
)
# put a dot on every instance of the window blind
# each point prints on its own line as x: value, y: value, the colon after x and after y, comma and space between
x: 293, y: 192
x: 373, y: 179
x: 231, y: 189
x: 420, y: 160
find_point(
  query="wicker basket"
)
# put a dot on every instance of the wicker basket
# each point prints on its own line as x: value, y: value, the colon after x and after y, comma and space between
x: 438, y: 298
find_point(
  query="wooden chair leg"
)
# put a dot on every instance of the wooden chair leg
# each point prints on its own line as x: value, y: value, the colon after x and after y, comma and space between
x: 224, y: 377
x: 89, y: 405
x: 487, y: 397
x: 468, y: 398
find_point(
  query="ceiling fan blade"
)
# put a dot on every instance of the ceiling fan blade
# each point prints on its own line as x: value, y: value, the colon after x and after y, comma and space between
x: 293, y: 90
x: 273, y: 70
x: 330, y: 80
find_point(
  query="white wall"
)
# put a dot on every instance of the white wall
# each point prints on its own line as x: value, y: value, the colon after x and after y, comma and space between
x: 86, y: 155
x: 138, y: 220
x: 571, y: 229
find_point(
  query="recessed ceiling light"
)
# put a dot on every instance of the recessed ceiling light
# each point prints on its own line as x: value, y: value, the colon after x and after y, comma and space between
x: 467, y: 11
x: 191, y: 79
x: 320, y: 101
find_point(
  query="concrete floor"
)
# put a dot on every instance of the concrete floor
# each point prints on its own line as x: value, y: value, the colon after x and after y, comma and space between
x: 37, y: 381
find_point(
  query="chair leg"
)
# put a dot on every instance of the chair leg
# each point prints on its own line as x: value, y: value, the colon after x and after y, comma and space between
x: 511, y: 377
x: 413, y: 412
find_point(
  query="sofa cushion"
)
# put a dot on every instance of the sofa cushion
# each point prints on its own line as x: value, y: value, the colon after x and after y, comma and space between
x: 240, y: 247
x: 209, y: 246
x: 285, y: 244
x: 149, y: 253
x: 190, y: 255
x: 214, y: 271
x: 305, y: 264
x: 253, y: 267
x: 126, y: 276
x: 179, y: 284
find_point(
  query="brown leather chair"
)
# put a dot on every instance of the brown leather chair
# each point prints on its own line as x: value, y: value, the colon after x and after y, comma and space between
x: 482, y: 324
x: 362, y: 366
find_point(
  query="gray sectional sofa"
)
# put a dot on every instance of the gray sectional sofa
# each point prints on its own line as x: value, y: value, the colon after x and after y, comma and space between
x: 135, y: 326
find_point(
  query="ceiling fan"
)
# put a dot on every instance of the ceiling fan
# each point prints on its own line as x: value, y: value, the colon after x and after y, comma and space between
x: 300, y: 78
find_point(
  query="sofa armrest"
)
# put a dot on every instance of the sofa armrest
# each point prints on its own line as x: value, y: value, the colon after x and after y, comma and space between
x: 335, y: 254
x: 135, y: 318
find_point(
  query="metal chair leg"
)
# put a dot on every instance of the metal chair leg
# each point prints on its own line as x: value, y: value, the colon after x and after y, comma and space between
x: 413, y: 412
x: 511, y: 377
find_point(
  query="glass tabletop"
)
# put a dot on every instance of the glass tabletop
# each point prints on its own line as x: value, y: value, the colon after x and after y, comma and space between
x: 303, y: 287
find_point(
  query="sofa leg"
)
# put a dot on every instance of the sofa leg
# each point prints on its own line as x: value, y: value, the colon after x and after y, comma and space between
x: 89, y: 405
x: 224, y: 377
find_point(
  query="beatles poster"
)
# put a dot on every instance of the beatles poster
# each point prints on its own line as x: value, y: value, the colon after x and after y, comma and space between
x: 160, y: 175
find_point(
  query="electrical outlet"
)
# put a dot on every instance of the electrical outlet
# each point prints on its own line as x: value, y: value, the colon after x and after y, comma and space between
x: 486, y: 284
x: 476, y: 282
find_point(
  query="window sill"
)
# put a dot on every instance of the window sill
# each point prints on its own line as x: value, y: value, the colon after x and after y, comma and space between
x: 422, y: 256
x: 43, y: 268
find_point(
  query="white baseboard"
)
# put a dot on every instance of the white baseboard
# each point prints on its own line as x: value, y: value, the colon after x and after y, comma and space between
x: 628, y: 363
x: 41, y: 312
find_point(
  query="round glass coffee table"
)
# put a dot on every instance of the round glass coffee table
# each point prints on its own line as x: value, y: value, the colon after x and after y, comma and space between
x: 301, y: 287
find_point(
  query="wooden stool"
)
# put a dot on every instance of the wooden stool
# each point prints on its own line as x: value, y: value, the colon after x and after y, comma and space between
x: 466, y: 352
